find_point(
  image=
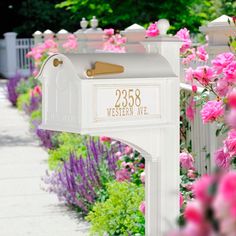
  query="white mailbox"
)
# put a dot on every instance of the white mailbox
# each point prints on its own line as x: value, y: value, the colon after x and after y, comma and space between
x: 131, y: 97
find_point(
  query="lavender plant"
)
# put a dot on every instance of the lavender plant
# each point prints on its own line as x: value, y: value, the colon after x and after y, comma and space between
x: 81, y: 181
x: 11, y: 88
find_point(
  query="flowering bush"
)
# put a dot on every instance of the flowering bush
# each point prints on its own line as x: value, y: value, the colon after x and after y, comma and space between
x: 212, y: 212
x: 208, y: 209
x: 113, y: 42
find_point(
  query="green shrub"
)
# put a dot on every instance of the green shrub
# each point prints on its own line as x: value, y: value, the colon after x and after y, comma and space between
x: 68, y: 143
x: 22, y: 101
x: 26, y: 84
x: 36, y: 115
x: 119, y: 214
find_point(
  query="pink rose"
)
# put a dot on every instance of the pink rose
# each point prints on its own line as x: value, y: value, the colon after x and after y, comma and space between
x: 109, y: 32
x: 191, y: 174
x: 142, y: 207
x: 189, y: 75
x: 122, y: 175
x: 50, y: 44
x: 184, y: 35
x: 222, y: 61
x: 118, y: 154
x: 232, y: 98
x: 211, y: 111
x: 194, y: 212
x: 201, y: 53
x: 230, y: 143
x: 201, y: 189
x: 204, y: 74
x: 141, y: 166
x: 222, y: 159
x: 227, y: 189
x: 142, y: 177
x: 231, y: 118
x: 71, y: 43
x: 36, y: 91
x: 194, y: 88
x: 152, y: 30
x: 191, y: 109
x: 190, y: 57
x: 128, y: 150
x: 230, y: 72
x: 222, y: 87
x: 105, y: 139
x: 186, y: 160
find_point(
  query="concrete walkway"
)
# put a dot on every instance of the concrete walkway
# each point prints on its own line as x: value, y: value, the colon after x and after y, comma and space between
x: 25, y: 209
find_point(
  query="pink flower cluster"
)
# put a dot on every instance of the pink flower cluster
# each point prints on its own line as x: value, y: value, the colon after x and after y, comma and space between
x: 203, y: 74
x: 192, y: 54
x: 71, y: 44
x: 142, y: 207
x: 211, y: 111
x: 39, y: 50
x: 214, y: 194
x: 113, y: 42
x: 184, y: 35
x: 37, y: 91
x: 186, y: 160
x: 191, y: 109
x: 152, y: 30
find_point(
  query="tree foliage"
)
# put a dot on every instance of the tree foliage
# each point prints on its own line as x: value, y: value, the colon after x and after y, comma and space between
x: 41, y: 15
x: 120, y: 14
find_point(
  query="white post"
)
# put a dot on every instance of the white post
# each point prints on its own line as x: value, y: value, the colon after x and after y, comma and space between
x: 62, y: 36
x: 38, y: 37
x: 162, y: 172
x: 134, y: 35
x: 48, y: 34
x: 11, y: 57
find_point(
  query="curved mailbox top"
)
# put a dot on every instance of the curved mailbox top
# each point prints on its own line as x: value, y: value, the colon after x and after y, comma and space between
x: 134, y: 65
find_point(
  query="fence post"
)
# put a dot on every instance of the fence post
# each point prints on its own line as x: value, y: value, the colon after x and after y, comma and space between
x: 11, y: 59
x: 38, y: 37
x: 218, y: 32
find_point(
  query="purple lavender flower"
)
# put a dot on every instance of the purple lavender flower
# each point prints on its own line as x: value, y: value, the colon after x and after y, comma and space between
x: 11, y: 88
x: 79, y: 180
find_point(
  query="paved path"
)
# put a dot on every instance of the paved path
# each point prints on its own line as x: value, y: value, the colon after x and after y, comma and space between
x: 25, y: 209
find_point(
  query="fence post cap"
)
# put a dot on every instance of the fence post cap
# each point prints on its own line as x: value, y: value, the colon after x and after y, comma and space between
x: 47, y: 32
x: 220, y: 21
x: 134, y: 27
x: 62, y: 31
x: 36, y: 33
x: 14, y: 34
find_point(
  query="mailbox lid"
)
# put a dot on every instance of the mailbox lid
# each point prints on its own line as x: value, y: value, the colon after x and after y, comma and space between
x: 135, y: 64
x: 142, y: 65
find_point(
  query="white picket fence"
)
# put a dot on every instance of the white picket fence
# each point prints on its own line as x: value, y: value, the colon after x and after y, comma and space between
x: 3, y: 54
x: 13, y: 55
x: 22, y: 48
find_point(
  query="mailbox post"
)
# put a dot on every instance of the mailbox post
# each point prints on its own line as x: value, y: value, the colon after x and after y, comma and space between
x: 133, y: 98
